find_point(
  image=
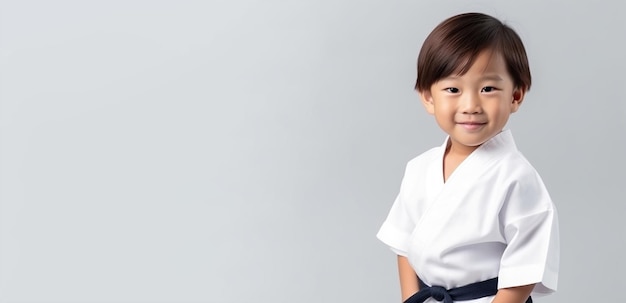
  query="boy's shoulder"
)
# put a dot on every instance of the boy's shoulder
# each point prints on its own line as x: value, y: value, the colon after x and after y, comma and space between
x: 427, y: 157
x: 513, y: 170
x: 515, y: 161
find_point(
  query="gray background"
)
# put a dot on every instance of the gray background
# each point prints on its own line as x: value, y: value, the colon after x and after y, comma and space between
x: 232, y: 151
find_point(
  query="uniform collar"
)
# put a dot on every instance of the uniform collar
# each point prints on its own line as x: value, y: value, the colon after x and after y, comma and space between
x: 503, y: 139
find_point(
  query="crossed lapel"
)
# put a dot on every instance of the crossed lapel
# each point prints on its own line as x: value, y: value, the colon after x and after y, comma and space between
x: 442, y: 212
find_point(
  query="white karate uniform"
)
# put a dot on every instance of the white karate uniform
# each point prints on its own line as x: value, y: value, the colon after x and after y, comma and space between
x: 493, y: 217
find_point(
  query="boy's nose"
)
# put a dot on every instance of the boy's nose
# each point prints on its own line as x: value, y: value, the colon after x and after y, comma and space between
x: 471, y: 105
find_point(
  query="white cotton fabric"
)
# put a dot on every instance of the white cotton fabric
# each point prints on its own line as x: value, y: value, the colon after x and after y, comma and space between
x: 493, y: 217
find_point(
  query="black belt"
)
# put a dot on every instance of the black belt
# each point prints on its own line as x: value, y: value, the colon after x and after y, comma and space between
x: 468, y: 292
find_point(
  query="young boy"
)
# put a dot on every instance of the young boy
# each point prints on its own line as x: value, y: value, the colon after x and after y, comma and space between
x: 473, y: 221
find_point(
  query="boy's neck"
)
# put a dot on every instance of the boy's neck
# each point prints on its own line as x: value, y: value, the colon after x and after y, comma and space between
x: 459, y: 150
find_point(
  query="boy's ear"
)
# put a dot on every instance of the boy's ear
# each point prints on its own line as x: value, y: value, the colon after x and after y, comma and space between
x: 427, y: 101
x: 518, y: 97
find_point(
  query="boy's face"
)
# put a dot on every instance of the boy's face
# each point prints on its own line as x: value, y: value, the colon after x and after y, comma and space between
x: 474, y: 107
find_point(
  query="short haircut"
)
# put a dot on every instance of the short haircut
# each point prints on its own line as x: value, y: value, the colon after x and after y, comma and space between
x: 455, y: 43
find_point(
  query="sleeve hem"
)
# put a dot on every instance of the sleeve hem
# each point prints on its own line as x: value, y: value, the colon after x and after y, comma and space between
x: 546, y: 280
x: 395, y: 238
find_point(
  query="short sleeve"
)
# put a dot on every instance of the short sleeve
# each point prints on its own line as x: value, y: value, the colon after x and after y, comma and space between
x: 398, y: 227
x: 530, y: 228
x: 396, y: 230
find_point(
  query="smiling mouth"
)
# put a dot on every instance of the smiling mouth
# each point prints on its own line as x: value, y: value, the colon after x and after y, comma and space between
x: 472, y: 125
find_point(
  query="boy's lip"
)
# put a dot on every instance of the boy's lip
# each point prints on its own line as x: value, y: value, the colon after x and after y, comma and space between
x: 471, y: 123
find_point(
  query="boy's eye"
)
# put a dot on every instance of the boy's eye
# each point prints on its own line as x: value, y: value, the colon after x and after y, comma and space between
x: 488, y: 89
x: 453, y: 90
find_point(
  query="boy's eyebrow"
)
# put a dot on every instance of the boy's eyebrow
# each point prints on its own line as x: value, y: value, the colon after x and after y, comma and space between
x: 492, y: 77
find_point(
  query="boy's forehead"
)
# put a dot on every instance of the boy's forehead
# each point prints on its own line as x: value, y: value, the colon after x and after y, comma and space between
x: 487, y: 64
x: 486, y: 76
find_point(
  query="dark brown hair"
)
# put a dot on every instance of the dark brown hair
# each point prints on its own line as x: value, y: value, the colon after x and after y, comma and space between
x: 455, y: 43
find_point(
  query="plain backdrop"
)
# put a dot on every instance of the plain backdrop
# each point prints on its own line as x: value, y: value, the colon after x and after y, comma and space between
x: 248, y: 151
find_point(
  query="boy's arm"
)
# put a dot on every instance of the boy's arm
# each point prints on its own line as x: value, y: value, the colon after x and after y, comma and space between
x: 408, y: 278
x: 517, y: 294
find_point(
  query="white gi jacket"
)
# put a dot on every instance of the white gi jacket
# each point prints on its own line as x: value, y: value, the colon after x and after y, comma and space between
x: 493, y: 217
